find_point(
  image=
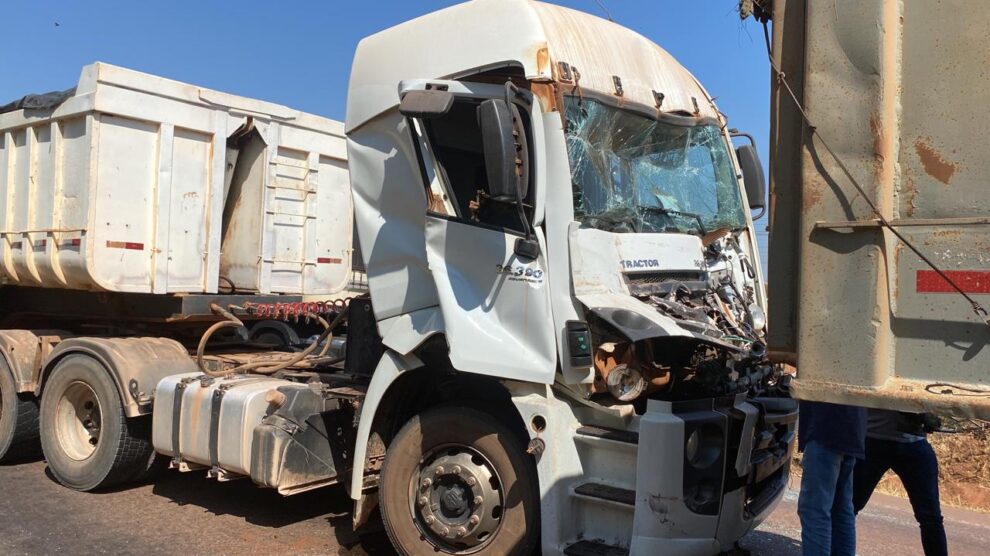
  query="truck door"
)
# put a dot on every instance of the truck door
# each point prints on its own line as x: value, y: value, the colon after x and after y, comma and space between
x: 495, y: 303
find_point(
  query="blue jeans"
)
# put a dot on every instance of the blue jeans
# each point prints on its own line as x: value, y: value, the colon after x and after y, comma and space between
x: 915, y: 464
x: 828, y: 523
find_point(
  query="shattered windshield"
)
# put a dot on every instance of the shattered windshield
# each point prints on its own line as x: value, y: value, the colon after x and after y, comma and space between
x: 635, y: 174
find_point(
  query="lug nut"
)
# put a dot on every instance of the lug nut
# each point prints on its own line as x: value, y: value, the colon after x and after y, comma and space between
x: 429, y: 519
x: 439, y: 470
x: 456, y: 470
x: 478, y: 500
x: 460, y: 532
x: 445, y: 531
x: 474, y: 520
x: 427, y: 482
x: 423, y: 500
x: 471, y: 481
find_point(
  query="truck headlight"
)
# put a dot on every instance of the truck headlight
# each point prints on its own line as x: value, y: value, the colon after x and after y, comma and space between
x: 625, y: 383
x: 704, y: 445
x: 759, y: 317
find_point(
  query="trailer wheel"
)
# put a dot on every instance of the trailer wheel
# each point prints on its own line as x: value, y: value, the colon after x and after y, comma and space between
x: 88, y: 441
x: 18, y: 420
x: 457, y: 481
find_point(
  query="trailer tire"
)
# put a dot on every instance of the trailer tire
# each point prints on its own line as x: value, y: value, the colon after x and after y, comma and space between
x: 18, y: 420
x: 88, y: 441
x: 459, y: 470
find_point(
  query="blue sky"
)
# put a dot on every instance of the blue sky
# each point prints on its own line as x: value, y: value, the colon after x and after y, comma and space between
x: 298, y: 53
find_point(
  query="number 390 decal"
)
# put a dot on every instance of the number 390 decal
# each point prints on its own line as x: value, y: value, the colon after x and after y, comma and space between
x: 520, y: 273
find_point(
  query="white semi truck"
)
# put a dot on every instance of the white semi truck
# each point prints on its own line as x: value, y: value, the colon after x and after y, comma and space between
x: 554, y: 311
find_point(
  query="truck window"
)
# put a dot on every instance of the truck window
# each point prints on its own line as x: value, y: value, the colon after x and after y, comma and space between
x: 627, y: 169
x: 455, y: 140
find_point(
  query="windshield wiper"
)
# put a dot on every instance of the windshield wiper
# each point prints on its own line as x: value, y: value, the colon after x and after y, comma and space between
x: 671, y: 212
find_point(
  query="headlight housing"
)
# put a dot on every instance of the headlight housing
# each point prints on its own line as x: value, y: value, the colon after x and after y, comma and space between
x: 625, y: 383
x: 704, y: 445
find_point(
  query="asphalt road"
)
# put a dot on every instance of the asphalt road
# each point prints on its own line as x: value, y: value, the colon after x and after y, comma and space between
x: 189, y: 514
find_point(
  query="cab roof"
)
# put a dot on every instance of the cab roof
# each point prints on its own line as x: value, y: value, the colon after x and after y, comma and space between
x: 486, y: 34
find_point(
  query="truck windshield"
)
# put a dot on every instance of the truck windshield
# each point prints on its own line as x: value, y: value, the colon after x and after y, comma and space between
x: 635, y: 174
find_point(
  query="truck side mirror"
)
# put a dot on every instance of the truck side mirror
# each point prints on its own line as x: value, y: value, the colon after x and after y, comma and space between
x: 506, y: 151
x: 431, y: 103
x: 755, y: 182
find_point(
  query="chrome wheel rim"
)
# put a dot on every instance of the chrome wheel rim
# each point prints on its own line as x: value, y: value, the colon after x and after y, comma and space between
x: 78, y: 421
x: 456, y: 499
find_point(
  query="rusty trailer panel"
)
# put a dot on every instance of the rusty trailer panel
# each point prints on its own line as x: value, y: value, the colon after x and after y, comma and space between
x: 897, y: 89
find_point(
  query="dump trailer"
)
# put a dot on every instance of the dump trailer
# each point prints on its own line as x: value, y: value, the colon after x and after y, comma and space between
x: 880, y: 215
x: 553, y: 337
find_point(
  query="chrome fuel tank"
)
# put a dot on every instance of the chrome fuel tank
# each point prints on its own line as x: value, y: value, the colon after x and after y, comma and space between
x: 210, y: 421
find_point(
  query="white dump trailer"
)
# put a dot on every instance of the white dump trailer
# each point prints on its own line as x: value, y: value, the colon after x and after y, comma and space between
x: 136, y: 183
x: 134, y: 208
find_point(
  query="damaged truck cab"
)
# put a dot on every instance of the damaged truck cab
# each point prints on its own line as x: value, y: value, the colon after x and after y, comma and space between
x: 556, y: 232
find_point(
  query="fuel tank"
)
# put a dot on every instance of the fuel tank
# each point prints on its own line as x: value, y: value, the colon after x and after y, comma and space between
x: 210, y: 421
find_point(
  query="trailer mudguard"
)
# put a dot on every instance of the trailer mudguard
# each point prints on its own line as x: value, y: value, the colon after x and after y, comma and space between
x: 25, y: 350
x: 136, y: 365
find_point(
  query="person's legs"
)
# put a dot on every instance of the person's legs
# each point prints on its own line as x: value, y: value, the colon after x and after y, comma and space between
x: 843, y: 516
x: 917, y: 468
x: 820, y: 472
x: 868, y: 472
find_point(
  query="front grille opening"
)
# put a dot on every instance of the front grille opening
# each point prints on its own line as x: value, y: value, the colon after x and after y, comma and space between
x: 661, y: 283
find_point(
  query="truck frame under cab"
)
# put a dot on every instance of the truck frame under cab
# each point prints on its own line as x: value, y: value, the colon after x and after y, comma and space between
x: 557, y: 346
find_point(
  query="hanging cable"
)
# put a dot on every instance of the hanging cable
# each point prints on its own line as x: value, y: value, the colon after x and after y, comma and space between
x: 980, y: 311
x: 264, y: 367
x: 604, y: 9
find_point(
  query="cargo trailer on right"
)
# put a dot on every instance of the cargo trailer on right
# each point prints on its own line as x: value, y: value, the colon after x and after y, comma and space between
x: 894, y: 131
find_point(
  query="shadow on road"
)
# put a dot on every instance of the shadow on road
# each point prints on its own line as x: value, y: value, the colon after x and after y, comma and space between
x: 765, y: 543
x: 264, y: 507
x: 267, y: 508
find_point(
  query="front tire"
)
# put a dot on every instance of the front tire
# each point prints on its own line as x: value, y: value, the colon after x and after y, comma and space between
x: 457, y: 481
x: 87, y: 439
x: 18, y: 421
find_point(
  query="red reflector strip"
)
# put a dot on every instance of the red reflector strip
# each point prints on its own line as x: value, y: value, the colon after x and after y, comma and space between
x: 328, y: 260
x: 970, y: 281
x: 75, y: 242
x: 125, y: 245
x: 40, y: 244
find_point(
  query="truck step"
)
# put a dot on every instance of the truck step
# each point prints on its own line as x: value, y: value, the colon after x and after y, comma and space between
x: 595, y: 548
x: 605, y: 433
x: 607, y: 492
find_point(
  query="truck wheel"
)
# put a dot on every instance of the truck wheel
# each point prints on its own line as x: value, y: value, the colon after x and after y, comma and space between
x: 88, y: 441
x: 18, y: 420
x: 456, y: 481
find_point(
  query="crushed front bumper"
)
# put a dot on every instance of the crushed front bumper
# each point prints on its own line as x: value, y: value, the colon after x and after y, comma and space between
x: 709, y: 471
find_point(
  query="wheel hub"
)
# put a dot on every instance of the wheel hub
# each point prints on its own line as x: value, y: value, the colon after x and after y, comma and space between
x: 453, y: 500
x: 78, y: 421
x: 458, y: 499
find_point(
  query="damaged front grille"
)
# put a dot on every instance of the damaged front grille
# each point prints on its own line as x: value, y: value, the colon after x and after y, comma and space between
x: 661, y: 283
